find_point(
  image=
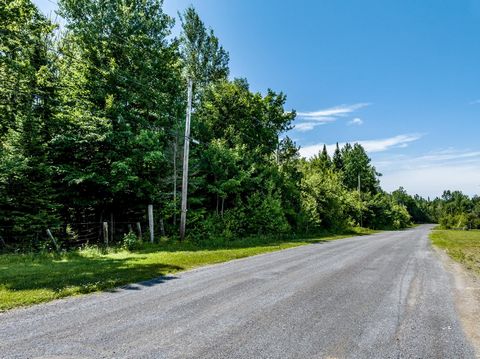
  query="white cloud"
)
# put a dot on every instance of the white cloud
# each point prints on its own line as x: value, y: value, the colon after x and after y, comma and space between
x: 307, y: 126
x: 388, y: 143
x: 476, y: 102
x: 321, y: 120
x: 371, y: 146
x: 321, y: 117
x: 431, y: 159
x: 331, y: 114
x: 432, y: 173
x: 356, y: 121
x: 432, y: 181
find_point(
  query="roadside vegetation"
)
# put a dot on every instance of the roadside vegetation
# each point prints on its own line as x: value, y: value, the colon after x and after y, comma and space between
x: 455, y: 210
x: 92, y: 123
x: 27, y: 279
x: 462, y: 246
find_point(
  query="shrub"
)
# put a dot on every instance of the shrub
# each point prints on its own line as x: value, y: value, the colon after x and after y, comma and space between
x: 130, y: 241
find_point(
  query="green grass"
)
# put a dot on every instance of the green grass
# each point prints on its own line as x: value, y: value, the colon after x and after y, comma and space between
x: 462, y: 246
x: 27, y: 279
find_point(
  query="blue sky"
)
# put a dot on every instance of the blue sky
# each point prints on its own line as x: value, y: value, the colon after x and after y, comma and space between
x: 401, y: 77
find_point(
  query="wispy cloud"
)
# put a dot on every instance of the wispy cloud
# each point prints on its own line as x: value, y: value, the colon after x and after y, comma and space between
x: 475, y: 102
x: 432, y: 173
x: 356, y: 121
x: 313, y: 119
x: 443, y: 157
x: 388, y: 143
x: 371, y: 146
x: 332, y: 113
x: 307, y: 126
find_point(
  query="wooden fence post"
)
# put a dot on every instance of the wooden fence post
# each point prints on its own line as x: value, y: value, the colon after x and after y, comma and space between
x: 139, y: 230
x: 105, y: 233
x: 50, y: 235
x: 150, y: 221
x: 112, y: 228
x: 162, y: 228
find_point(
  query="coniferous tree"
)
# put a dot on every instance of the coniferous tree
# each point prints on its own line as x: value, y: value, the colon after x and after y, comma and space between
x: 357, y: 163
x: 337, y: 159
x: 27, y: 92
x: 121, y: 94
x: 87, y: 126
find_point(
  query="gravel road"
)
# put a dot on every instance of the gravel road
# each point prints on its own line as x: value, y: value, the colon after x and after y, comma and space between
x: 380, y: 296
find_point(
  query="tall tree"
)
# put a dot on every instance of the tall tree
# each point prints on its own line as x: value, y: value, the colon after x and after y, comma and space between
x: 120, y: 97
x: 240, y: 150
x: 322, y: 160
x: 232, y: 112
x: 337, y: 159
x: 290, y: 178
x: 357, y: 163
x: 27, y: 95
x: 204, y: 60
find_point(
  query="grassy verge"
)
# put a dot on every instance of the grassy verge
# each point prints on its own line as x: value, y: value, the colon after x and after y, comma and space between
x: 27, y: 279
x: 462, y: 246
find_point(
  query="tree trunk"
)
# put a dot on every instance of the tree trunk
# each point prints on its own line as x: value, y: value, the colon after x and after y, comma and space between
x: 223, y: 204
x: 162, y: 228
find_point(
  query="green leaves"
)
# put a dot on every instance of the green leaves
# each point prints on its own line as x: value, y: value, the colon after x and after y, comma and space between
x: 27, y: 201
x: 121, y: 81
x: 204, y: 59
x: 90, y: 124
x: 357, y: 163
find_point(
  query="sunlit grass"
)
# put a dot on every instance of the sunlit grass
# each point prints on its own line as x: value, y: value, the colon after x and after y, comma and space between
x: 463, y: 246
x: 27, y: 279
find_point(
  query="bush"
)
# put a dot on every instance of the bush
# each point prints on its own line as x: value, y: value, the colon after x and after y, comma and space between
x: 266, y: 215
x: 130, y: 241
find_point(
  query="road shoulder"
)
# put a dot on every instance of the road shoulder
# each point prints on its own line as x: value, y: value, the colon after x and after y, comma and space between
x: 467, y: 297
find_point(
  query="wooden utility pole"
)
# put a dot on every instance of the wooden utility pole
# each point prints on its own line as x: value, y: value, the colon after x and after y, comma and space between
x: 186, y: 149
x: 360, y: 198
x: 175, y: 180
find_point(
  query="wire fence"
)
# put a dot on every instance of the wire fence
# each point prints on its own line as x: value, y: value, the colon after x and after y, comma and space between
x: 69, y: 235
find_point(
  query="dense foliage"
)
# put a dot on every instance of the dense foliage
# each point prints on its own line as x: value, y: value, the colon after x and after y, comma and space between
x: 453, y: 210
x: 456, y: 210
x: 91, y: 124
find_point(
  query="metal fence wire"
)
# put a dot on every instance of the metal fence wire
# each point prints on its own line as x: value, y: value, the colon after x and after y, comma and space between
x: 105, y: 232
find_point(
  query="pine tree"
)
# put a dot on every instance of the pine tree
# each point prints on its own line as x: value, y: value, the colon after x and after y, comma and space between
x: 121, y: 96
x: 337, y: 159
x: 357, y: 163
x: 325, y: 158
x: 27, y: 88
